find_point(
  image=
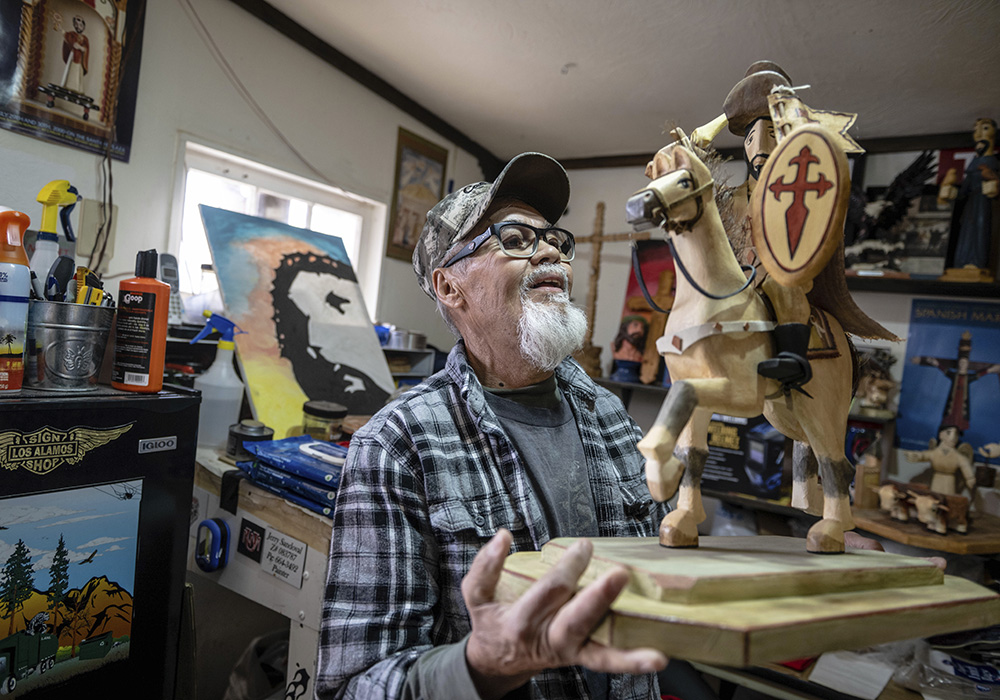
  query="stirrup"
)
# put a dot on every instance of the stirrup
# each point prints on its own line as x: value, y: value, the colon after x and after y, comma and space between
x: 792, y: 370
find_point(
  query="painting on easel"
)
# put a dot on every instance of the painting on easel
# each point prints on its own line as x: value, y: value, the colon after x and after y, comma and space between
x: 308, y: 333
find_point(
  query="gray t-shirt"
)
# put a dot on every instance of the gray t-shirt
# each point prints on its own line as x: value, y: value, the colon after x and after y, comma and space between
x: 541, y: 426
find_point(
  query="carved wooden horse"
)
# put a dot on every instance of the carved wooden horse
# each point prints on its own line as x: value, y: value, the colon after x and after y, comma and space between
x: 716, y: 334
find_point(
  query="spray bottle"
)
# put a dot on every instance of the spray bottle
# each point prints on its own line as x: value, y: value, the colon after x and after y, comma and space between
x: 55, y: 195
x: 15, y: 286
x: 220, y: 387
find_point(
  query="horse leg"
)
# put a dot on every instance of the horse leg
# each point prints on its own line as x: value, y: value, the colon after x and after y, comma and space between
x: 679, y: 528
x: 658, y: 443
x: 827, y: 536
x: 663, y: 470
x: 806, y: 494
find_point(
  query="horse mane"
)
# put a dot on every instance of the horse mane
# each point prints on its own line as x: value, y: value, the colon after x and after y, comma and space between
x: 829, y: 291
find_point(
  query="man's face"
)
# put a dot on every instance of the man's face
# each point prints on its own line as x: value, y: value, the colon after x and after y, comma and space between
x: 984, y: 135
x: 78, y: 24
x: 493, y: 281
x: 758, y: 145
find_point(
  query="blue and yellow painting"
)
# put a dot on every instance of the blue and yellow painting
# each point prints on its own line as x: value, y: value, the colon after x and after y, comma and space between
x: 308, y: 334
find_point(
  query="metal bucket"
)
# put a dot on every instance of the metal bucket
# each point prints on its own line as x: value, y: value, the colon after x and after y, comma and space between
x: 66, y: 344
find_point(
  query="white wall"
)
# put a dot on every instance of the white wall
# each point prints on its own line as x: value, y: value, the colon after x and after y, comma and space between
x: 345, y: 131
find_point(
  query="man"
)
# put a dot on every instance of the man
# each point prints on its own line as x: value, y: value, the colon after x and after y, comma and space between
x: 510, y: 445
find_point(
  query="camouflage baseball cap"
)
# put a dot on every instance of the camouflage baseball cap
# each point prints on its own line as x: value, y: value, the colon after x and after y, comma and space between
x: 533, y: 178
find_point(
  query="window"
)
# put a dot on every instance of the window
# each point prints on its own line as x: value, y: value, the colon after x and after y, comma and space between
x: 225, y: 181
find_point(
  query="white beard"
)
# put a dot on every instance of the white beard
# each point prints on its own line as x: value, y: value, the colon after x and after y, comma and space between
x: 549, y: 330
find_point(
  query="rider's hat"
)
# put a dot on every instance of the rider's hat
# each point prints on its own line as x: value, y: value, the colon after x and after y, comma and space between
x: 748, y: 100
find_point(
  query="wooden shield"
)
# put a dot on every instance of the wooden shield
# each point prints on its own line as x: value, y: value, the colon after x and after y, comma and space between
x: 799, y: 204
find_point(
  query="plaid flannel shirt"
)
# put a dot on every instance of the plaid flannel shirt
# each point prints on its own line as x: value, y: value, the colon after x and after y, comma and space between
x: 428, y: 481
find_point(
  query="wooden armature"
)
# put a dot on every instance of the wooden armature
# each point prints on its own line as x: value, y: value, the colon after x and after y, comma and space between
x: 589, y: 356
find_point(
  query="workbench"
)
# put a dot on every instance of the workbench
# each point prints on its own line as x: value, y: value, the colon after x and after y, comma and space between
x: 292, y: 545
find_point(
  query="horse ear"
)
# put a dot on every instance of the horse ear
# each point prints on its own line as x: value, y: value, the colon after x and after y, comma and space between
x: 682, y: 158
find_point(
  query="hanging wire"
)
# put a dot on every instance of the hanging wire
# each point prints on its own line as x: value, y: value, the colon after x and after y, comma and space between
x: 234, y: 79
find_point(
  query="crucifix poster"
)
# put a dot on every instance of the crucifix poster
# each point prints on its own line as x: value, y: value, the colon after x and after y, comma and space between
x: 69, y: 71
x: 952, y: 373
x: 307, y: 335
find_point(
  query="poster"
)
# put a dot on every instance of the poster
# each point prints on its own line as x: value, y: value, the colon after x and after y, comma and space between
x: 69, y: 71
x: 951, y: 374
x: 308, y: 335
x: 68, y: 575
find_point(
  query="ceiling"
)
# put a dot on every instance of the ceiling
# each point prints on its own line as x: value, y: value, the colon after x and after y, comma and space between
x: 580, y: 79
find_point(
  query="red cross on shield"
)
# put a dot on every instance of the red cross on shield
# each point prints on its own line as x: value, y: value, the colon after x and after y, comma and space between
x: 799, y: 204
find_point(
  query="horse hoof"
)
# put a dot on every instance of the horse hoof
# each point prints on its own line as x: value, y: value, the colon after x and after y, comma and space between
x: 825, y: 537
x: 679, y: 529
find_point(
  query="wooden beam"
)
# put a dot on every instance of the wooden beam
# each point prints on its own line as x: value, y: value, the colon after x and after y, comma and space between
x: 490, y: 164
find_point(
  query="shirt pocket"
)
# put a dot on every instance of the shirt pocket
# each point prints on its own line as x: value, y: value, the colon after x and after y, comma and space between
x: 480, y: 519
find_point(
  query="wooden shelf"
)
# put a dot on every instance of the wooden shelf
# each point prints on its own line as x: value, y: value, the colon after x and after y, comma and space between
x: 900, y: 285
x: 421, y: 362
x: 983, y: 536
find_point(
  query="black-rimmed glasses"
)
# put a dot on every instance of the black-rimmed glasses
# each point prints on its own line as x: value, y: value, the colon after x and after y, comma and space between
x: 519, y: 240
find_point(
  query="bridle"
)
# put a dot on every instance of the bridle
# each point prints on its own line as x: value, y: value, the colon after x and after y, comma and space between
x: 671, y: 224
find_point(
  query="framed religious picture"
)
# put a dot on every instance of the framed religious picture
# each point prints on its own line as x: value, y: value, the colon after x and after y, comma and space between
x: 418, y: 186
x: 70, y: 72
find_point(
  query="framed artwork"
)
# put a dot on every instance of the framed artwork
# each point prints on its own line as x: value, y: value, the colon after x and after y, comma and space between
x: 952, y: 373
x: 418, y: 186
x: 72, y: 74
x: 307, y: 333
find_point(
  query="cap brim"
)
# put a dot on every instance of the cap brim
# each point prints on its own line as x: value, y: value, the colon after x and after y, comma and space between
x: 535, y: 179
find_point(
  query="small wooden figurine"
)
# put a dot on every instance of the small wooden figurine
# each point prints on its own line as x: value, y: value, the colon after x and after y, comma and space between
x: 939, y: 512
x: 973, y: 240
x: 948, y: 458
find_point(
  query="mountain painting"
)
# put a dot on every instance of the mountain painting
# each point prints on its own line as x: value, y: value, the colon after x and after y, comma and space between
x: 68, y: 572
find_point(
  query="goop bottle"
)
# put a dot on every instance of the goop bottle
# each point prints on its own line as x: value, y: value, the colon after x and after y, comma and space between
x: 141, y: 328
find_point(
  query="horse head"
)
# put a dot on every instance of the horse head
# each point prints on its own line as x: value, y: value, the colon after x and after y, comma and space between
x: 676, y: 196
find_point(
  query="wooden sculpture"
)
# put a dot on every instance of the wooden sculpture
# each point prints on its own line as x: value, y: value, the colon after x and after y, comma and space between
x: 716, y: 334
x: 949, y: 460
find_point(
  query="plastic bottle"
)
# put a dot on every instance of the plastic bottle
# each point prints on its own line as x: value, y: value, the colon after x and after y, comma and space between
x: 220, y: 386
x: 15, y: 289
x: 141, y: 328
x: 57, y: 199
x: 46, y: 252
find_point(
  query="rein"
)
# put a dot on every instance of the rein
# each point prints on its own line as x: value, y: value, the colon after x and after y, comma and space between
x: 685, y: 226
x: 687, y: 275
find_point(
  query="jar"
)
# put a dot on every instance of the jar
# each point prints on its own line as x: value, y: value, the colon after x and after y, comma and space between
x: 322, y: 420
x: 247, y: 430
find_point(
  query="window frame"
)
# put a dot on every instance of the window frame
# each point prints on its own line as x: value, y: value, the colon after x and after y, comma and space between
x: 193, y: 154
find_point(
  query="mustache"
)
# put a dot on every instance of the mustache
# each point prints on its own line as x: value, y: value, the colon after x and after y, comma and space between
x: 545, y: 270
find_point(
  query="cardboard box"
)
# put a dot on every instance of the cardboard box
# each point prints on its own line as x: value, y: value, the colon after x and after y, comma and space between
x: 745, y: 456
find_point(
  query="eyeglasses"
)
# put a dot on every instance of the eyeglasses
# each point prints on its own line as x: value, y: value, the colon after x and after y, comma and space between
x: 519, y: 240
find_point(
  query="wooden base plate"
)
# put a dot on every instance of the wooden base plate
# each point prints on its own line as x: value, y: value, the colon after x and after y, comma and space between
x: 745, y: 631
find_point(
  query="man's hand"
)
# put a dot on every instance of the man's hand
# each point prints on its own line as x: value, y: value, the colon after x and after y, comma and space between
x: 547, y: 627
